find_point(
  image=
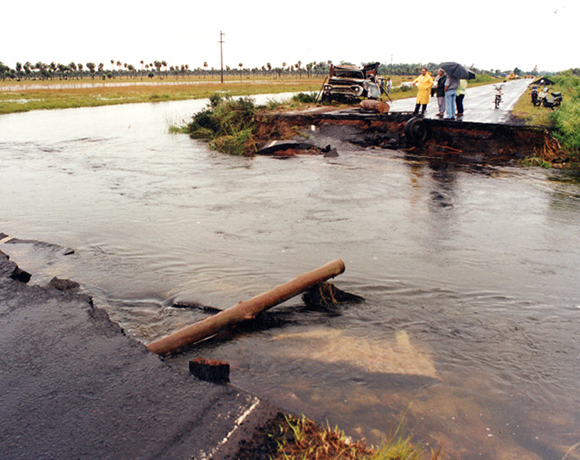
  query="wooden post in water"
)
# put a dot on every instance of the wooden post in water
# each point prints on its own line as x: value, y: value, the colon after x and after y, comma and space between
x: 249, y: 309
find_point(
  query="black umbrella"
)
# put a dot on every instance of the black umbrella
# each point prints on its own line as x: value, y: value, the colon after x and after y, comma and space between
x: 458, y: 71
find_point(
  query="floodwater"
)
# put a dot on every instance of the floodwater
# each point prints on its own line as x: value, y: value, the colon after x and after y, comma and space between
x: 469, y: 332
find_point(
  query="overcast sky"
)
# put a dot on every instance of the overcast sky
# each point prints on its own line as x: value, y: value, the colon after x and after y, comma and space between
x: 492, y: 35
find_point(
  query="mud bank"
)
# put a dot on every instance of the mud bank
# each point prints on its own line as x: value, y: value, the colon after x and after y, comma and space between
x: 75, y: 386
x: 468, y: 141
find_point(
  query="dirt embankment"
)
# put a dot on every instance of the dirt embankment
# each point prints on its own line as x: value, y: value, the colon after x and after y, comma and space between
x: 481, y: 142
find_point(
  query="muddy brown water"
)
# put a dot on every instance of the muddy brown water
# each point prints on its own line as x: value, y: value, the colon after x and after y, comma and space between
x: 469, y: 331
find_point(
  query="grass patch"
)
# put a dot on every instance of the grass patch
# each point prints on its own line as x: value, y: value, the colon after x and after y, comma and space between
x: 228, y: 124
x: 525, y: 111
x: 566, y: 119
x: 563, y: 122
x: 63, y: 95
x: 299, y: 439
x: 536, y: 162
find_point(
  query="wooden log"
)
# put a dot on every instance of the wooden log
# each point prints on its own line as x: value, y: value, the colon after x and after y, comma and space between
x: 247, y: 310
x: 372, y: 105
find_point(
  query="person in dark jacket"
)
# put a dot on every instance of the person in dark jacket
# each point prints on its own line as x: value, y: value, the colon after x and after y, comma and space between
x: 440, y: 90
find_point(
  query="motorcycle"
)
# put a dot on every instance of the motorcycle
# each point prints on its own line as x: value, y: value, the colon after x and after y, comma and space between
x: 498, y: 95
x: 548, y: 99
x: 534, y: 96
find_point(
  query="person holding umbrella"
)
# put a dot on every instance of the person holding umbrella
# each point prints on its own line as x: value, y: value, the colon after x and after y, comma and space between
x: 455, y: 72
x: 451, y: 85
x: 424, y: 83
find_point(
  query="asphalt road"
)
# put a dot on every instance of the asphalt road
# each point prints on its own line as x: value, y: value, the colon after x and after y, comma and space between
x: 74, y: 386
x: 478, y: 103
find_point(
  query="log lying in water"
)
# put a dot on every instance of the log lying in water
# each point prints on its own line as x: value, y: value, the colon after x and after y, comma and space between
x: 243, y: 311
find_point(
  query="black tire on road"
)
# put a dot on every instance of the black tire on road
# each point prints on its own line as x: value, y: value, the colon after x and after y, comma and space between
x: 416, y: 131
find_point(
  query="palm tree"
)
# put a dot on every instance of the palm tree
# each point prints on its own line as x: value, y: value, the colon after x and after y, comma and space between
x: 241, y: 65
x: 28, y: 69
x: 205, y: 67
x: 91, y: 67
x: 113, y: 64
x: 158, y: 65
x: 73, y: 68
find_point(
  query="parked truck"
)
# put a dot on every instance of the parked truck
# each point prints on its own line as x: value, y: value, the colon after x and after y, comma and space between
x: 348, y: 82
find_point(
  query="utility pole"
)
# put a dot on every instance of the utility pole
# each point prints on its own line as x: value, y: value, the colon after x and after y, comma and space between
x: 222, y: 55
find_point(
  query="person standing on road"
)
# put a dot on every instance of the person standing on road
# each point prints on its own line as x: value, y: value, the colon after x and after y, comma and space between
x: 451, y: 85
x: 440, y: 91
x: 424, y: 82
x: 389, y: 84
x: 460, y: 96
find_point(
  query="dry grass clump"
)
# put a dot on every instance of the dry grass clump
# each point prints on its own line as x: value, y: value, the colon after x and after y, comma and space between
x: 303, y: 439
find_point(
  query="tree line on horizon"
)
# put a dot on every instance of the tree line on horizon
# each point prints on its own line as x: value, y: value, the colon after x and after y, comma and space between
x: 160, y: 69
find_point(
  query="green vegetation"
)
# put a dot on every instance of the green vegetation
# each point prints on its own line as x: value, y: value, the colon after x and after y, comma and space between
x: 228, y: 124
x: 300, y: 439
x: 62, y: 95
x: 43, y: 86
x: 563, y: 122
x: 160, y: 69
x: 566, y: 119
x: 536, y: 162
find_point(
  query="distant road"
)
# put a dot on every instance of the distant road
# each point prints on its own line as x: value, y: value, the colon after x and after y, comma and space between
x: 478, y: 103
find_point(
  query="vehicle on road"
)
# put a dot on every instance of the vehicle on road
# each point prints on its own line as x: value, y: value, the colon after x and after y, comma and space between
x: 349, y: 82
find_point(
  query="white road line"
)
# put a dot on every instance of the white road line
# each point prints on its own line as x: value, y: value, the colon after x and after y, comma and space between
x: 237, y: 424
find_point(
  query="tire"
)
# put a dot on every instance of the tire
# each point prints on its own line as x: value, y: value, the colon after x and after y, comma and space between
x: 416, y: 131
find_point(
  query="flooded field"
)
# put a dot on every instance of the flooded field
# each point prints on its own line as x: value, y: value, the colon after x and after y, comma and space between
x: 469, y: 330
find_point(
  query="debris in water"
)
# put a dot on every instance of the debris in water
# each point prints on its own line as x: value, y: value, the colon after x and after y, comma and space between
x: 210, y: 370
x: 326, y: 294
